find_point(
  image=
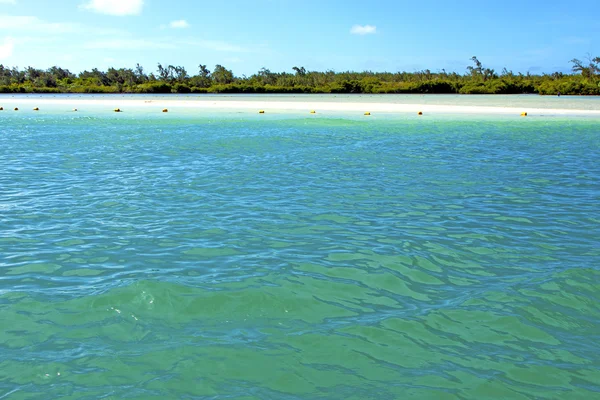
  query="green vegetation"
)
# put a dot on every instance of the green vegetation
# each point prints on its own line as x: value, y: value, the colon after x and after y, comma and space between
x: 585, y: 80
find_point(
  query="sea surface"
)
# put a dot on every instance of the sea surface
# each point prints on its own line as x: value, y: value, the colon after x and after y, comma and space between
x: 291, y: 256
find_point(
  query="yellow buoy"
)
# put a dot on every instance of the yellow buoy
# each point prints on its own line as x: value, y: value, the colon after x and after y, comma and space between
x: 36, y: 109
x: 16, y: 108
x: 165, y: 110
x: 420, y: 113
x: 117, y: 110
x: 523, y: 114
x: 367, y: 113
x: 261, y: 112
x: 313, y: 112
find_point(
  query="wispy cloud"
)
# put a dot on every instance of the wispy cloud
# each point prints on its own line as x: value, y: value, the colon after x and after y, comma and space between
x: 217, y: 45
x: 363, y: 29
x: 179, y: 24
x: 575, y: 40
x: 539, y: 52
x: 33, y: 24
x: 127, y: 44
x: 6, y: 48
x: 66, y: 57
x: 119, y: 8
x: 131, y: 43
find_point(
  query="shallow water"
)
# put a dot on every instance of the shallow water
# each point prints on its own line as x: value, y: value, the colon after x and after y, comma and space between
x: 286, y: 257
x: 496, y: 100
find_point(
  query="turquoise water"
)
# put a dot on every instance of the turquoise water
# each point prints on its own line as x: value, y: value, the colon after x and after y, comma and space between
x: 239, y: 256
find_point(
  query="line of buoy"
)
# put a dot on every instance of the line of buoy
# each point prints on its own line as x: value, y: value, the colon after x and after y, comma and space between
x: 523, y: 114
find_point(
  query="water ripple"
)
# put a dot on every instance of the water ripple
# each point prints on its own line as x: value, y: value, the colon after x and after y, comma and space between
x: 296, y: 258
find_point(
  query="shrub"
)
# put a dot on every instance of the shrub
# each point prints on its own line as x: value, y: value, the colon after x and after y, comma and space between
x: 180, y: 88
x: 154, y: 87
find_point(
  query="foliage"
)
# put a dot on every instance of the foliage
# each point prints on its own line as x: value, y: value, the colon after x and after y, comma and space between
x: 477, y: 79
x: 221, y: 75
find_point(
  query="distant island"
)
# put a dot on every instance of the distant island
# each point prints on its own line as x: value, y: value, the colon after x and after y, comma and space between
x: 584, y: 80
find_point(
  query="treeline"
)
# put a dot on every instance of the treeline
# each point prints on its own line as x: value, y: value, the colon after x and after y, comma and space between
x: 585, y: 80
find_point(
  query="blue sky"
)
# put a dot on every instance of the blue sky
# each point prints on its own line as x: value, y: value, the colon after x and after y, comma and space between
x: 391, y: 35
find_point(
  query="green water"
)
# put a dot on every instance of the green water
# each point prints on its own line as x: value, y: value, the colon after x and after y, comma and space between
x: 286, y: 257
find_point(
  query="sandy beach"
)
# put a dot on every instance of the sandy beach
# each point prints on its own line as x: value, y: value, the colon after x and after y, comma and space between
x: 299, y: 105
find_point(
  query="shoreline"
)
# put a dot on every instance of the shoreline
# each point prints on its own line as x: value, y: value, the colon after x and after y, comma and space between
x: 295, y: 106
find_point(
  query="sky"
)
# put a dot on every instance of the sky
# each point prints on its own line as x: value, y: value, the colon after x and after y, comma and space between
x: 536, y: 36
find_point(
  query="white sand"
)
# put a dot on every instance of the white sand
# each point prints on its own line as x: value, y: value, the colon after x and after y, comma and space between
x: 299, y: 106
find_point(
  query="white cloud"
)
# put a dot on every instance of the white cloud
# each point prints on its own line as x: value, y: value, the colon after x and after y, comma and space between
x: 6, y: 48
x: 363, y: 29
x: 115, y: 7
x: 179, y: 24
